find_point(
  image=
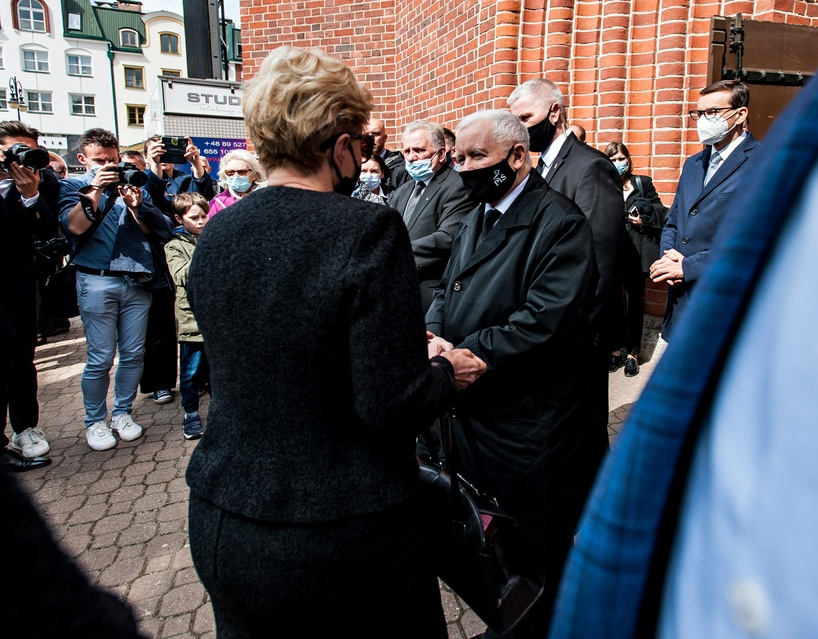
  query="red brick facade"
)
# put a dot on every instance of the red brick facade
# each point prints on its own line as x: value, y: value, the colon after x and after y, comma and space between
x: 630, y: 68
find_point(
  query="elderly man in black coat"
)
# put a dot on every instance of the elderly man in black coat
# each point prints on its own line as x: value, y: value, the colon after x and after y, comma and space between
x: 518, y: 291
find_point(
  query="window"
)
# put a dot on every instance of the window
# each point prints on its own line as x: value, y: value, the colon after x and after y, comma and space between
x: 40, y: 102
x: 129, y: 38
x: 83, y: 105
x: 136, y: 115
x: 4, y: 105
x: 31, y: 15
x: 75, y: 21
x: 2, y: 63
x: 169, y: 42
x: 79, y: 64
x: 172, y: 73
x: 35, y: 60
x: 135, y: 77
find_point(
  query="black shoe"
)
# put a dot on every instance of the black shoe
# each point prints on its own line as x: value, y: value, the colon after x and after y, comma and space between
x: 615, y: 363
x: 631, y: 367
x: 19, y: 464
x: 41, y: 339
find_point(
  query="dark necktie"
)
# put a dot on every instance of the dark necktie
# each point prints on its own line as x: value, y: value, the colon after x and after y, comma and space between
x: 715, y: 161
x: 413, y: 201
x: 490, y: 218
x: 541, y: 167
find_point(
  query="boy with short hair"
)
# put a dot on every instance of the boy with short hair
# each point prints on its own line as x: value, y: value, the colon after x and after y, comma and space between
x: 190, y: 212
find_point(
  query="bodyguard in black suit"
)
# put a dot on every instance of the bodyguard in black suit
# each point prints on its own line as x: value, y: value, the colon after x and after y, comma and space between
x: 432, y: 203
x: 586, y: 176
x: 393, y: 159
x: 705, y: 193
x: 518, y: 291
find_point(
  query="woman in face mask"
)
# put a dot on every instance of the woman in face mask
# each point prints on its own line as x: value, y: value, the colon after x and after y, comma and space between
x: 307, y: 299
x: 241, y: 174
x: 374, y: 175
x: 644, y: 216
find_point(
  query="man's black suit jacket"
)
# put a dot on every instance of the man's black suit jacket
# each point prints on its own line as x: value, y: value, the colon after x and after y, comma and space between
x: 433, y: 224
x: 589, y: 178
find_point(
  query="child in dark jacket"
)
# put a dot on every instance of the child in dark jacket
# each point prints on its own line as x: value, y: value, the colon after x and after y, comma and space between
x: 190, y: 211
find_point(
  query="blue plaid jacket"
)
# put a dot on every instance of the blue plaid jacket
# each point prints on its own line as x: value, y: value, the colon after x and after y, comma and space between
x: 610, y: 587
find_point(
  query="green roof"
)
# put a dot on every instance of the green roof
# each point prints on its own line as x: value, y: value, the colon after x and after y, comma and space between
x: 103, y: 23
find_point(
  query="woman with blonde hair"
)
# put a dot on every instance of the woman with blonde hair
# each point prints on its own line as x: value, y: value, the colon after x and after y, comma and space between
x: 303, y: 519
x: 239, y: 175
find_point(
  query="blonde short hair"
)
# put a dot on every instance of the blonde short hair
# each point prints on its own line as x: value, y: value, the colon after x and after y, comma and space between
x: 241, y: 154
x: 299, y: 100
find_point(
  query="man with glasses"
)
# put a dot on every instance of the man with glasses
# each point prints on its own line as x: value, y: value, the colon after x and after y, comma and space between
x: 705, y: 192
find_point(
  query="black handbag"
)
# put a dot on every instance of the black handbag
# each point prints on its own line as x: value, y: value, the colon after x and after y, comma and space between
x: 479, y: 551
x: 59, y: 298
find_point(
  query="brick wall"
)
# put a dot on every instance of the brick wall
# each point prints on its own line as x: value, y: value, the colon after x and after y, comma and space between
x: 630, y: 68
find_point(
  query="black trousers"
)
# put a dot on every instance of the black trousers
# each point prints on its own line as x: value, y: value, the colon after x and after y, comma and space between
x: 368, y: 575
x: 160, y: 344
x: 18, y: 339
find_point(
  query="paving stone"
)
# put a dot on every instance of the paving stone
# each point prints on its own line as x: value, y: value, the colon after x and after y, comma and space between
x: 182, y: 599
x: 122, y: 572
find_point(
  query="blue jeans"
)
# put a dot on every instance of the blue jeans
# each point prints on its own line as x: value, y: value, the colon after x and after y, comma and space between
x: 194, y: 374
x: 115, y: 316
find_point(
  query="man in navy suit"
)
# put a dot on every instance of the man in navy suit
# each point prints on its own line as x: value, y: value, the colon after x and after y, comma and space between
x: 702, y: 522
x: 705, y: 192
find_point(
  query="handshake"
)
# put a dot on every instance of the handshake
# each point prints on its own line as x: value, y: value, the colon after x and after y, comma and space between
x: 467, y: 366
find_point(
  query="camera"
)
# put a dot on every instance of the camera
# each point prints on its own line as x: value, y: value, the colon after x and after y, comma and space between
x: 34, y: 159
x: 129, y: 173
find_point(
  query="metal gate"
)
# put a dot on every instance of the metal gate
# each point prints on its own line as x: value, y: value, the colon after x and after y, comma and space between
x: 773, y: 59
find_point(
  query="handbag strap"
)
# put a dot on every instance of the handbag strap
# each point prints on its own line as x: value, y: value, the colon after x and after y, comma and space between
x: 449, y: 445
x: 638, y: 180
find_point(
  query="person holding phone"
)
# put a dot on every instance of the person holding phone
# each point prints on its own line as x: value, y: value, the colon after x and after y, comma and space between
x: 644, y: 217
x: 165, y: 180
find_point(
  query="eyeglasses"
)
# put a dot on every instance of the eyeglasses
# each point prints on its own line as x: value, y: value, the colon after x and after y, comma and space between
x: 241, y: 172
x: 710, y: 114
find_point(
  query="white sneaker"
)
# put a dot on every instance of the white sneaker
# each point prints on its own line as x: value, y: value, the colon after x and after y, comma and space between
x: 31, y: 443
x: 127, y: 428
x: 99, y: 436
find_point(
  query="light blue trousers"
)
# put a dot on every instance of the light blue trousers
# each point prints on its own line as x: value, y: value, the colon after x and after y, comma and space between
x: 114, y: 315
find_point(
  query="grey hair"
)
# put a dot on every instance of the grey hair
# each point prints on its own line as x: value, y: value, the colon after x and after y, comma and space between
x: 539, y: 90
x: 433, y: 130
x: 241, y: 154
x: 507, y: 129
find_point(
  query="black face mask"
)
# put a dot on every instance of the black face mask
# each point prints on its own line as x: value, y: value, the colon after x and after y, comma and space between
x: 346, y: 185
x: 541, y: 134
x: 491, y: 183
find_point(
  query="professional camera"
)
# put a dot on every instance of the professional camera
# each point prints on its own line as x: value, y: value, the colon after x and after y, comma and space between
x: 34, y: 159
x: 130, y: 174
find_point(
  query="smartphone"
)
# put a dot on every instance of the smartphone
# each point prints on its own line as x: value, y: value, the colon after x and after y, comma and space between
x: 174, y: 150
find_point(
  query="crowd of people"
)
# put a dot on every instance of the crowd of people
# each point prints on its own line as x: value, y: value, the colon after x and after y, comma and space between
x: 333, y: 330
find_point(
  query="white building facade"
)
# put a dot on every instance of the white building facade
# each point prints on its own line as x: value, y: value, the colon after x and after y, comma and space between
x: 79, y: 65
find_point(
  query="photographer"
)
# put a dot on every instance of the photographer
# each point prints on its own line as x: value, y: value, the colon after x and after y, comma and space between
x: 27, y: 196
x: 112, y: 225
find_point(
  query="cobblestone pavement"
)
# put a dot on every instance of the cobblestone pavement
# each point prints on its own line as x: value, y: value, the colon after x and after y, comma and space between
x: 122, y: 513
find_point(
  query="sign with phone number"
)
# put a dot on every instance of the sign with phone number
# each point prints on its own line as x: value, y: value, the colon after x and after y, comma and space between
x: 216, y: 148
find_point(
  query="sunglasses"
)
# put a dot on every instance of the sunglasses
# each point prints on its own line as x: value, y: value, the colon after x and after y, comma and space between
x: 241, y: 172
